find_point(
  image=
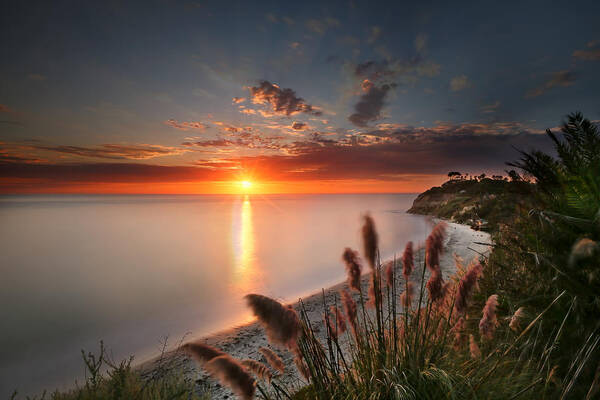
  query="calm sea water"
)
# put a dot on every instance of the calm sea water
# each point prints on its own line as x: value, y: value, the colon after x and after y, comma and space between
x: 130, y: 270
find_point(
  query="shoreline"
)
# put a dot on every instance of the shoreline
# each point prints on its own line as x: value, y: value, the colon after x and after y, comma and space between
x: 243, y: 341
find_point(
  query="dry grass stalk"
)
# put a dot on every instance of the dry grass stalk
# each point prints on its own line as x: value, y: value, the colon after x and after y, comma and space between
x: 459, y: 337
x: 232, y: 374
x: 301, y: 366
x: 201, y: 352
x: 273, y: 359
x: 281, y: 323
x: 408, y: 261
x: 474, y: 348
x: 370, y: 240
x: 351, y: 310
x: 259, y: 369
x: 372, y: 295
x: 389, y: 273
x: 331, y: 327
x: 339, y: 319
x: 489, y: 321
x: 466, y: 286
x: 406, y: 297
x: 515, y: 320
x: 353, y: 268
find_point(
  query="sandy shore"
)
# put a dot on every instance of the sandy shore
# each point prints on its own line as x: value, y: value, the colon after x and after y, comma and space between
x: 244, y: 341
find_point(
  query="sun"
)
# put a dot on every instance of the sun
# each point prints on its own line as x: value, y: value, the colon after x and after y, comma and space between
x: 246, y: 184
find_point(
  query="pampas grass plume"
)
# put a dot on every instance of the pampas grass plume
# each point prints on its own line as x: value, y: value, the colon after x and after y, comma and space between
x: 201, y: 352
x: 389, y: 273
x: 487, y: 324
x: 434, y: 245
x: 515, y: 320
x: 435, y: 285
x: 232, y: 374
x: 466, y: 285
x: 273, y: 359
x: 351, y: 310
x: 353, y: 268
x: 459, y: 337
x: 406, y: 298
x: 370, y: 240
x: 259, y: 369
x: 281, y: 323
x: 474, y: 348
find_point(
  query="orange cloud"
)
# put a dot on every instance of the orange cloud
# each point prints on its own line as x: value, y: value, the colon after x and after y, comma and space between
x: 184, y: 126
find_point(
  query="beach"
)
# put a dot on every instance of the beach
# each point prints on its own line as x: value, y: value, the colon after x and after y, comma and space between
x: 243, y: 342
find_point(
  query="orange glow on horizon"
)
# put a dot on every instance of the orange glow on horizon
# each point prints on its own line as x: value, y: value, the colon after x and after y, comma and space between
x: 409, y: 184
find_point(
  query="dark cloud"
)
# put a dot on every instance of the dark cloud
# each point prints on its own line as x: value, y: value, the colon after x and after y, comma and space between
x: 299, y: 126
x: 592, y: 53
x: 407, y: 70
x: 5, y: 108
x: 320, y: 26
x: 556, y: 79
x: 371, y: 102
x: 243, y: 139
x: 101, y: 172
x: 387, y: 152
x: 374, y: 70
x: 211, y: 143
x: 184, y: 126
x: 469, y: 152
x: 115, y: 151
x: 282, y: 101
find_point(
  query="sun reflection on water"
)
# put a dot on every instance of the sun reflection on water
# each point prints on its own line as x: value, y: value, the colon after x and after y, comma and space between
x: 246, y: 272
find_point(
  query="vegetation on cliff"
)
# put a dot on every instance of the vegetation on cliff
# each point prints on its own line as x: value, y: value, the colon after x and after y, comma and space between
x: 476, y: 200
x: 546, y: 238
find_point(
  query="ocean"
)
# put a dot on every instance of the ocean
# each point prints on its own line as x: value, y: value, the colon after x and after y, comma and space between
x: 132, y: 270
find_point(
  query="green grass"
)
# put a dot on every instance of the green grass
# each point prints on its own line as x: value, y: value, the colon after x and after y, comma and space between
x: 120, y: 381
x: 412, y: 356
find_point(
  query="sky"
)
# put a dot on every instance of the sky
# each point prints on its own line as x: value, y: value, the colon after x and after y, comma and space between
x: 296, y: 97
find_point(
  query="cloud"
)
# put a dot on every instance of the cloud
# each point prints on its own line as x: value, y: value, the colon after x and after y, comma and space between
x: 299, y: 126
x: 421, y: 42
x: 370, y: 103
x: 374, y: 34
x: 398, y: 152
x: 397, y: 69
x: 238, y: 100
x: 232, y: 128
x: 288, y: 20
x: 557, y: 79
x: 115, y: 151
x: 459, y: 83
x: 490, y: 108
x: 386, y: 152
x: 272, y: 18
x: 591, y: 54
x: 282, y: 101
x: 247, y: 140
x: 6, y: 109
x: 185, y: 126
x: 320, y: 26
x: 211, y: 143
x: 36, y: 77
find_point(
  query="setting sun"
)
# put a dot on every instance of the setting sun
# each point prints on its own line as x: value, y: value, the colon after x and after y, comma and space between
x: 246, y: 185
